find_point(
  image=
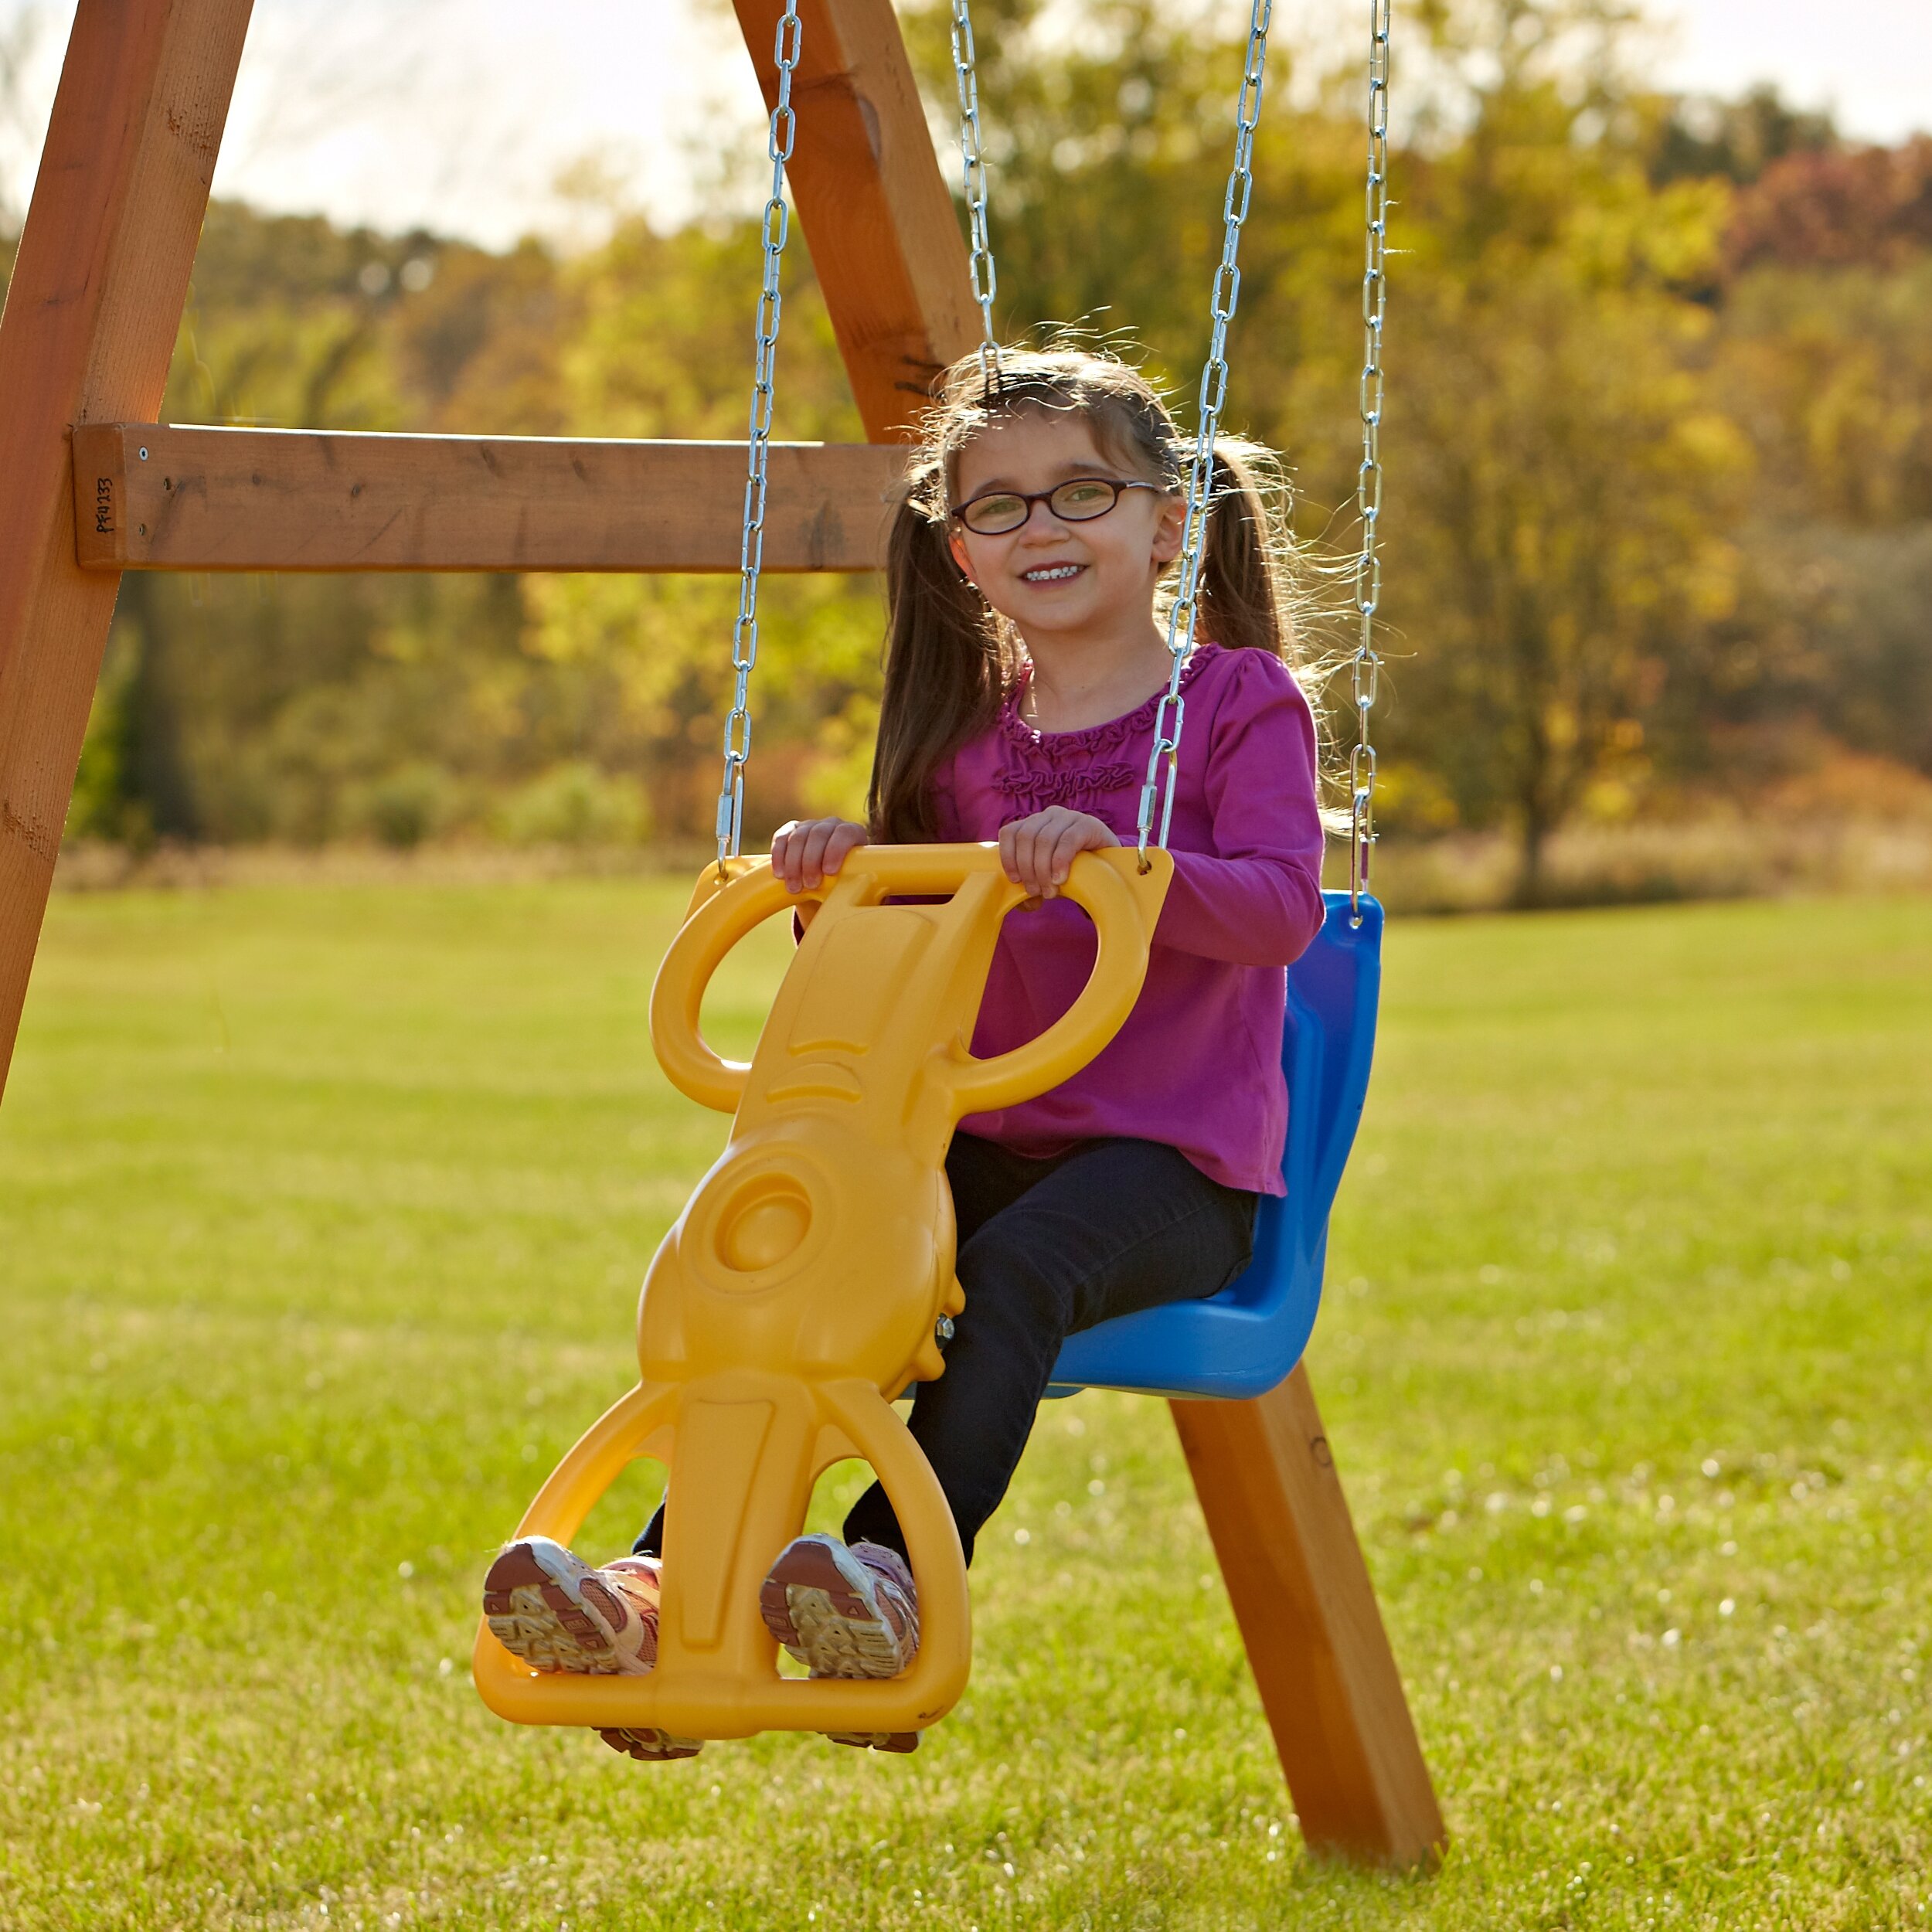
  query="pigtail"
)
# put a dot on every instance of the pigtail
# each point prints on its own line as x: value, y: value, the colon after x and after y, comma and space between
x: 1257, y: 592
x: 1244, y: 597
x: 946, y: 668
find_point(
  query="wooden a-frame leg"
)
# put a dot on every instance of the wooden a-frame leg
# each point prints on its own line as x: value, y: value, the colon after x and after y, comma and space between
x: 886, y: 241
x: 1307, y: 1612
x: 91, y: 316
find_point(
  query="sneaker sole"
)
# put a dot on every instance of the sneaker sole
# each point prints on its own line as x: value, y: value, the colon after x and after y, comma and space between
x: 540, y: 1617
x: 812, y: 1606
x: 652, y: 1747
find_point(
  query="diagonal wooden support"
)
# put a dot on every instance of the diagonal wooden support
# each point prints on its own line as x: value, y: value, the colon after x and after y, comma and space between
x: 884, y: 236
x: 90, y: 319
x: 1307, y: 1611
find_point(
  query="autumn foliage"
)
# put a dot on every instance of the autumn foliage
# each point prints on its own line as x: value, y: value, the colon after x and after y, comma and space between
x: 1658, y: 449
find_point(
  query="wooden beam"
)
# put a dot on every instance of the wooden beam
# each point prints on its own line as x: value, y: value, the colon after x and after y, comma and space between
x: 1307, y: 1611
x: 155, y: 496
x: 884, y: 237
x: 90, y: 319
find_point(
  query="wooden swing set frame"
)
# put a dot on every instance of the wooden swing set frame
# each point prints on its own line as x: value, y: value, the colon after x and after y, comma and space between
x: 91, y: 485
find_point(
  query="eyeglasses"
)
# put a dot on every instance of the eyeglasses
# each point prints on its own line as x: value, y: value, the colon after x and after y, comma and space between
x: 1079, y: 500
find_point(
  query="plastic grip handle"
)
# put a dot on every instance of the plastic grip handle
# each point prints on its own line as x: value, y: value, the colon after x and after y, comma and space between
x: 1124, y: 905
x: 743, y: 903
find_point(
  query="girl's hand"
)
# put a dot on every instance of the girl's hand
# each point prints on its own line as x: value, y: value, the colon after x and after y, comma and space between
x: 807, y: 851
x: 1036, y: 852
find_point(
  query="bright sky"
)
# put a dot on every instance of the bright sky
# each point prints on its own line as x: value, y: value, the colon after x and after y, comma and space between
x: 458, y: 115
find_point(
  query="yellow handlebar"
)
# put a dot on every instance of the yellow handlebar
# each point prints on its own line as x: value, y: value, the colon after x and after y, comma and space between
x: 1123, y: 902
x: 717, y: 923
x: 1103, y: 884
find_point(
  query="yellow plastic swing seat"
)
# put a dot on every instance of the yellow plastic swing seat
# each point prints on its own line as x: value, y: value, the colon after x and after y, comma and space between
x: 799, y: 1291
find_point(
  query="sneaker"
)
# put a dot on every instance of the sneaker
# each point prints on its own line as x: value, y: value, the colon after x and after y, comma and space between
x: 556, y: 1613
x: 878, y: 1740
x: 651, y: 1747
x: 846, y: 1613
x: 842, y: 1613
x: 554, y: 1610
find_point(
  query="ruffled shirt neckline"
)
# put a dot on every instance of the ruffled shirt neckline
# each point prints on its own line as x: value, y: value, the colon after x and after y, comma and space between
x: 1091, y: 740
x: 1076, y: 769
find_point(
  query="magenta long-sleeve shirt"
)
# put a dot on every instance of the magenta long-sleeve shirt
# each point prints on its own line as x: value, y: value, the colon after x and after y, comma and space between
x: 1197, y: 1064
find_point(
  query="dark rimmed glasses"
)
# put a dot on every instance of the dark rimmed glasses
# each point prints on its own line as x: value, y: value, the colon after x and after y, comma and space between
x: 1079, y: 500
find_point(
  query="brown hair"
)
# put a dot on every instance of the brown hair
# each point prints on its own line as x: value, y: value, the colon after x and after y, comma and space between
x: 950, y: 659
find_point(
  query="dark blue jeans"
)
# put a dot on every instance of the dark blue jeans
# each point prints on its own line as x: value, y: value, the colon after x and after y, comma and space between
x: 1046, y: 1248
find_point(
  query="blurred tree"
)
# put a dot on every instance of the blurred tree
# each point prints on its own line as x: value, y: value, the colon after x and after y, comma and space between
x: 303, y: 708
x: 1875, y: 588
x: 1565, y: 483
x: 1560, y: 479
x: 1868, y: 206
x: 1836, y: 369
x: 1699, y: 137
x: 1825, y: 345
x: 663, y: 347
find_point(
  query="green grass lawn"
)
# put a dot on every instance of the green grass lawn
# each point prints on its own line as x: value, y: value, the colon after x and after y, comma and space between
x: 321, y: 1216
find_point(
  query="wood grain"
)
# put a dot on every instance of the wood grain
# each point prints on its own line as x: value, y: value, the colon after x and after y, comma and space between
x: 1307, y: 1611
x: 159, y: 496
x: 884, y: 236
x: 90, y: 324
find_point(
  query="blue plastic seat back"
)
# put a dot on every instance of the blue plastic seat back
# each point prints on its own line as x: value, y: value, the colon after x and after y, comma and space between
x: 1243, y: 1341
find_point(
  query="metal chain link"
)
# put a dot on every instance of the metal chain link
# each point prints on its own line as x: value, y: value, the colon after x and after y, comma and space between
x: 972, y: 162
x: 751, y: 550
x: 1368, y: 567
x: 1172, y: 711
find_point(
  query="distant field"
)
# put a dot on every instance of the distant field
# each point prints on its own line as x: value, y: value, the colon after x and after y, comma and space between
x: 321, y: 1216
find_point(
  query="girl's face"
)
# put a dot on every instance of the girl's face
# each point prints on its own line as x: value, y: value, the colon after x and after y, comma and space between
x: 1051, y: 577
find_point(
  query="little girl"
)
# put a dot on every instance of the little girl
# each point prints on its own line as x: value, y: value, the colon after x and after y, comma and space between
x: 1026, y: 658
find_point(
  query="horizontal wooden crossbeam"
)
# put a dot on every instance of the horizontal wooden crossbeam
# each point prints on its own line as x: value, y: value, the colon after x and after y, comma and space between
x: 153, y: 496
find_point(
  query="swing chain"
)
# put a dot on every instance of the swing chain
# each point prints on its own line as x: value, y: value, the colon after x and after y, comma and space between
x: 751, y: 550
x: 985, y: 279
x: 1367, y: 675
x: 1172, y: 711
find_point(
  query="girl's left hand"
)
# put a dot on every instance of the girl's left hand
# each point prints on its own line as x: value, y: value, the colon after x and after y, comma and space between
x: 1036, y: 852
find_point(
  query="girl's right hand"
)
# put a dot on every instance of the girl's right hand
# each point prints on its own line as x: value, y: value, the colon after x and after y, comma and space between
x: 807, y: 851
